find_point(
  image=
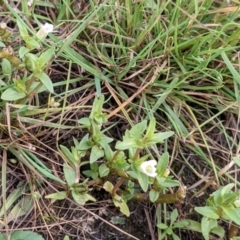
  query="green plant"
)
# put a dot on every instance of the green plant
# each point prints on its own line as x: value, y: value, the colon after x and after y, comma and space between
x: 125, y: 163
x: 34, y: 64
x: 222, y: 204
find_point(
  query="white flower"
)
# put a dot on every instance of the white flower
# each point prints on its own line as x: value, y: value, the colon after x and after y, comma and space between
x: 149, y: 168
x: 29, y: 3
x: 44, y: 30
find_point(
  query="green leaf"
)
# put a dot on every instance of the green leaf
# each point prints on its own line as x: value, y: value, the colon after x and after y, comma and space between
x: 2, y: 45
x: 237, y: 160
x: 181, y: 224
x: 31, y: 43
x: 167, y: 183
x: 151, y: 128
x: 57, y: 196
x: 90, y: 173
x: 108, y: 186
x: 143, y: 180
x: 11, y: 94
x: 173, y: 216
x: 6, y: 67
x: 46, y: 81
x: 69, y: 156
x: 103, y: 170
x: 206, y: 226
x: 85, y: 122
x: 21, y: 208
x: 218, y: 195
x: 12, y: 197
x: 126, y: 144
x: 66, y: 238
x: 22, y: 51
x: 104, y: 143
x: 23, y: 30
x: 162, y: 165
x: 207, y: 211
x: 84, y: 144
x: 232, y: 213
x: 175, y: 237
x: 26, y: 235
x: 96, y: 153
x: 82, y: 198
x: 119, y: 202
x: 153, y: 195
x: 70, y: 174
x: 162, y: 226
x: 137, y: 130
x: 159, y: 137
x: 44, y: 58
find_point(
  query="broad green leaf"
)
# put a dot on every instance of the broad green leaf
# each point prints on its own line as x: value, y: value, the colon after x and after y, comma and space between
x: 219, y: 231
x: 153, y: 195
x: 119, y: 202
x: 20, y: 85
x: 44, y: 58
x: 163, y: 162
x: 2, y: 45
x: 207, y: 211
x: 232, y: 213
x: 218, y: 195
x: 70, y: 174
x: 57, y: 196
x: 108, y: 186
x: 84, y: 143
x: 31, y: 43
x: 192, y: 225
x: 181, y: 224
x: 137, y: 130
x: 6, y: 67
x: 26, y: 235
x: 96, y: 153
x: 85, y: 122
x: 66, y: 238
x: 21, y: 208
x: 126, y: 144
x: 206, y: 226
x: 104, y: 143
x: 11, y: 94
x: 167, y: 183
x: 82, y: 198
x: 175, y: 237
x: 90, y: 173
x: 142, y: 180
x: 103, y: 170
x: 162, y: 226
x: 46, y: 81
x: 22, y: 51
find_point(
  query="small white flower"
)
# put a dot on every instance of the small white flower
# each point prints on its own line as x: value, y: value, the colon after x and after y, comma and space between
x: 44, y: 30
x: 29, y: 3
x: 149, y: 168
